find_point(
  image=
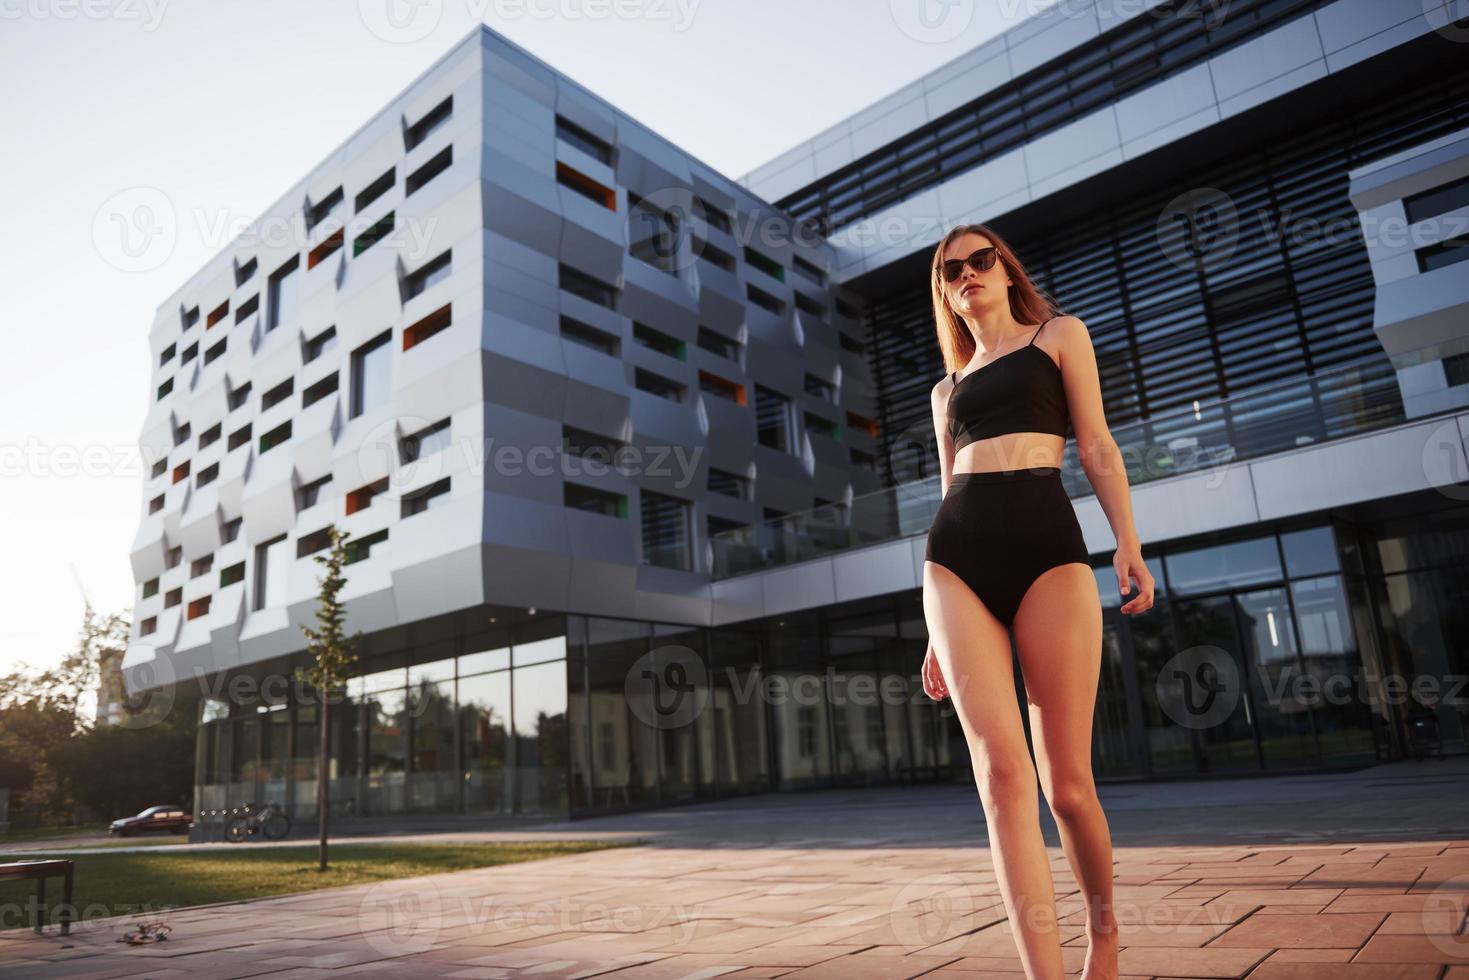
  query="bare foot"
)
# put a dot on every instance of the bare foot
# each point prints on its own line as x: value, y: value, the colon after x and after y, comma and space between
x: 1101, y: 954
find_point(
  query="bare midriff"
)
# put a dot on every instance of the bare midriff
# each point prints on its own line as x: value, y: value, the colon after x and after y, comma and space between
x: 1011, y: 451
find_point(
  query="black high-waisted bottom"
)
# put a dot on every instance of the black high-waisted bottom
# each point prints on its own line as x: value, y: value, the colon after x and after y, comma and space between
x: 999, y: 530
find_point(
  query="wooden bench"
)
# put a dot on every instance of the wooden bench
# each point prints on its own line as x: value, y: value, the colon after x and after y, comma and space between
x: 41, y: 870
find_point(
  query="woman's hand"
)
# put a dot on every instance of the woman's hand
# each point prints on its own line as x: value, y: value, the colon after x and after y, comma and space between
x: 933, y: 678
x: 1128, y: 563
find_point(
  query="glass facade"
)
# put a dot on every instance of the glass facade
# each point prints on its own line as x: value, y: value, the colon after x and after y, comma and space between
x: 1315, y: 645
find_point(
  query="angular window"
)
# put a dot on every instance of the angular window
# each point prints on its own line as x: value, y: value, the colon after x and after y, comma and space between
x: 190, y: 352
x: 809, y: 271
x: 309, y: 494
x: 217, y: 351
x: 150, y: 588
x: 181, y: 471
x: 361, y: 498
x: 659, y: 341
x: 148, y: 626
x: 239, y: 396
x: 372, y: 374
x: 764, y: 300
x: 191, y: 317
x: 217, y: 314
x: 434, y: 271
x: 589, y: 336
x: 425, y: 328
x: 320, y: 344
x: 309, y: 544
x: 275, y: 437
x: 173, y: 597
x: 596, y: 501
x: 325, y: 248
x: 282, y: 293
x: 360, y: 549
x: 774, y: 423
x: 594, y: 290
x: 721, y: 387
x: 728, y: 484
x: 712, y: 254
x: 156, y: 504
x: 375, y: 190
x: 164, y: 389
x: 199, y: 607
x: 379, y: 230
x: 665, y: 526
x: 319, y: 390
x: 590, y: 445
x: 656, y: 384
x: 765, y: 264
x: 238, y: 438
x: 201, y: 566
x: 425, y: 442
x: 718, y: 343
x: 245, y: 271
x: 815, y: 423
x: 278, y: 394
x: 436, y: 165
x: 592, y: 190
x: 160, y: 467
x: 316, y: 213
x: 270, y: 573
x: 173, y: 556
x: 806, y: 304
x: 715, y: 217
x: 431, y: 121
x: 167, y: 354
x: 821, y: 388
x: 232, y: 528
x: 207, y: 475
x: 247, y: 308
x: 421, y: 500
x: 229, y: 576
x: 592, y: 146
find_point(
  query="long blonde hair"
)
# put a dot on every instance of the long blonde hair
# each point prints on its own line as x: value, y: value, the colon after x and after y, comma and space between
x: 1028, y: 302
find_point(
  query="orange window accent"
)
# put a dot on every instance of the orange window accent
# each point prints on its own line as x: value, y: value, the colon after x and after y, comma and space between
x: 181, y: 471
x: 580, y: 182
x: 427, y: 327
x: 736, y: 390
x: 217, y: 314
x: 863, y: 422
x: 328, y: 245
x: 198, y: 607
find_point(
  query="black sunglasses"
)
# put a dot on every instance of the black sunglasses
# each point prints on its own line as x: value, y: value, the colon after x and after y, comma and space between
x: 980, y: 260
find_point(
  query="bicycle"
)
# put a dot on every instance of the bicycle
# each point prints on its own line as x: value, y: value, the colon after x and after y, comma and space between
x: 270, y: 821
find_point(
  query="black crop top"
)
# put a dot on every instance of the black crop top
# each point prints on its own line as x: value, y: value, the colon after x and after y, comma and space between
x: 1016, y: 392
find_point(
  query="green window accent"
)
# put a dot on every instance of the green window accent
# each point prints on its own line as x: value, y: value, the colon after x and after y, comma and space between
x: 373, y: 235
x: 765, y: 264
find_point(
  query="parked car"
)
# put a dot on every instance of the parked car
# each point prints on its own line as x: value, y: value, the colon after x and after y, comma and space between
x: 173, y: 819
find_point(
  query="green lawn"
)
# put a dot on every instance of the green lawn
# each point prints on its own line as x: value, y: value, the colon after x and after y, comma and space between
x: 141, y: 884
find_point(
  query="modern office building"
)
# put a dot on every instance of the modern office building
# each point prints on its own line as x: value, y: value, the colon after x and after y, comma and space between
x: 501, y: 282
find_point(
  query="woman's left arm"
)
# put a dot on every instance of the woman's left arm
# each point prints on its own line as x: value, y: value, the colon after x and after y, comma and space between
x: 1101, y: 458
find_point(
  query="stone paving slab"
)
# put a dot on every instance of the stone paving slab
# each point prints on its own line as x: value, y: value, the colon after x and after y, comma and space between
x: 769, y: 896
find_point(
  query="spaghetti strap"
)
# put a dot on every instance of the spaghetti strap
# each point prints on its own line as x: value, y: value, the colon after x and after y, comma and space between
x: 1037, y: 331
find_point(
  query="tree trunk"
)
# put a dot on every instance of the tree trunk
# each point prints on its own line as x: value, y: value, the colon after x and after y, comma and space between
x: 322, y: 775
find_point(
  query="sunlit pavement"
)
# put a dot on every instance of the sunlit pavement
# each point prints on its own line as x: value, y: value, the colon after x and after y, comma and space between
x: 1353, y: 875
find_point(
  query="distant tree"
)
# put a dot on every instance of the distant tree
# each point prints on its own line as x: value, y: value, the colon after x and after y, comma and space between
x: 332, y: 656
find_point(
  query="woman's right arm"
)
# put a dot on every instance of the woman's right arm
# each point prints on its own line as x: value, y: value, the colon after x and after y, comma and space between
x: 939, y: 402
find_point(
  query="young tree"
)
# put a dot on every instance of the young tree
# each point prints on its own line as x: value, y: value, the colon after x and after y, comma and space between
x: 332, y: 655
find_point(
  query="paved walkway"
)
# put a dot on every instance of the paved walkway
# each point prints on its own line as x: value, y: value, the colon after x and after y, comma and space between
x: 1353, y: 877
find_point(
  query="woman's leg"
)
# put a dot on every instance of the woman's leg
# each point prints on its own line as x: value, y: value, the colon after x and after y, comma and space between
x: 1058, y: 635
x: 973, y: 650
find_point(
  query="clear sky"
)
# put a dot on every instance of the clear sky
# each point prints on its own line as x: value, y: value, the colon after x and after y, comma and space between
x: 219, y: 106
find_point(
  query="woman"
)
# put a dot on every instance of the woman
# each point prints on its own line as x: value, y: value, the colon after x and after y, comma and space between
x: 1005, y: 554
